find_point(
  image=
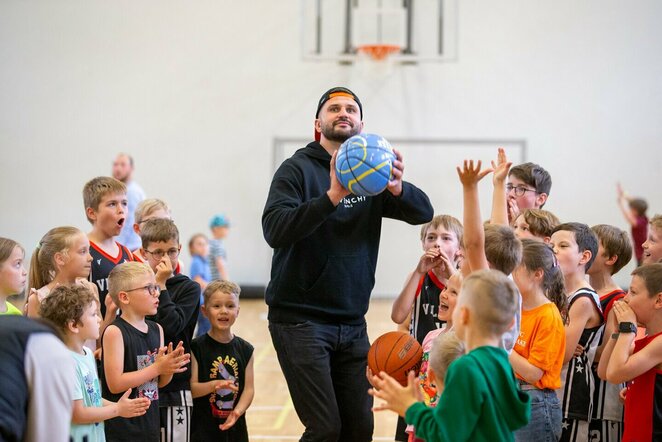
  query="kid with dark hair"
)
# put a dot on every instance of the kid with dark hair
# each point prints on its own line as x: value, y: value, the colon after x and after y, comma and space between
x: 575, y: 247
x: 528, y: 187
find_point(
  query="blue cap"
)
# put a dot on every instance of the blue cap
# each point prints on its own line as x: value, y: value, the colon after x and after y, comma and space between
x: 219, y: 220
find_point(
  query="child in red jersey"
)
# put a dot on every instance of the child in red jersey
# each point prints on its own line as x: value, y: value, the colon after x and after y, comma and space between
x: 643, y: 364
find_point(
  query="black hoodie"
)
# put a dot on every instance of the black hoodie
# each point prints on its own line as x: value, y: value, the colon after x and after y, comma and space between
x: 324, y: 261
x: 177, y: 314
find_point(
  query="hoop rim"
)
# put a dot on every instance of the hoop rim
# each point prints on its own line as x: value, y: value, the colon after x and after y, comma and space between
x: 378, y: 52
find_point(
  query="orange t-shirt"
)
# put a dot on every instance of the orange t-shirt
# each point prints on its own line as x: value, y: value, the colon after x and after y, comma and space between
x: 542, y: 342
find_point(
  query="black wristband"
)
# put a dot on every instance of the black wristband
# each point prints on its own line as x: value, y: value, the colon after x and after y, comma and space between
x: 627, y: 327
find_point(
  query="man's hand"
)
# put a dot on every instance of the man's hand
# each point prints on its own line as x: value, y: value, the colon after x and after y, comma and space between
x: 395, y: 185
x: 336, y: 192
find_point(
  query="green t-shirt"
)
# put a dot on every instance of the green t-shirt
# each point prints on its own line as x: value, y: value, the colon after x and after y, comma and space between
x: 480, y: 401
x: 10, y: 309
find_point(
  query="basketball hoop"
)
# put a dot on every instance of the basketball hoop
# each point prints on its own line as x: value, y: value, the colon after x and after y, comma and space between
x: 378, y: 52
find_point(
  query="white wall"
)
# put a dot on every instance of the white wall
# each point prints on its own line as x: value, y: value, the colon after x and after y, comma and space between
x: 197, y: 92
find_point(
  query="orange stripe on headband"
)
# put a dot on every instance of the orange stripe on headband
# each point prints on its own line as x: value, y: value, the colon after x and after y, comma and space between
x: 341, y: 94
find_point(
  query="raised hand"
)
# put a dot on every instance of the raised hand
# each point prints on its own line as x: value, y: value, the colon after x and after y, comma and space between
x: 620, y: 192
x: 471, y: 174
x: 501, y: 167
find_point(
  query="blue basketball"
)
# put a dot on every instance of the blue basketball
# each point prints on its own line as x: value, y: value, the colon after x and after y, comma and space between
x: 364, y: 164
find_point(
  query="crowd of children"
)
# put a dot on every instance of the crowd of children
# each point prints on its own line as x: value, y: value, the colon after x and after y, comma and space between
x: 525, y: 334
x: 128, y: 319
x: 568, y: 368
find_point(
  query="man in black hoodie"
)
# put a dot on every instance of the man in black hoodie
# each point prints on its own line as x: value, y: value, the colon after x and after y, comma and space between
x: 325, y: 245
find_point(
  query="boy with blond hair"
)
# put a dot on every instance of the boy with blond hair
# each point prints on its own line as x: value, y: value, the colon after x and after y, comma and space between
x: 614, y: 252
x: 73, y: 311
x: 105, y: 204
x: 441, y: 240
x: 480, y: 400
x: 417, y: 304
x: 222, y: 370
x: 535, y: 224
x: 133, y: 352
x: 179, y: 303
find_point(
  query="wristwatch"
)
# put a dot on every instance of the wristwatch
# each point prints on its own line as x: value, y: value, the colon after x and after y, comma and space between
x: 627, y: 327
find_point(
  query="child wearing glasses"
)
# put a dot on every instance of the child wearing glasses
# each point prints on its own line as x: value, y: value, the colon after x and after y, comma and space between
x: 134, y: 355
x: 179, y: 303
x: 151, y: 208
x: 528, y: 188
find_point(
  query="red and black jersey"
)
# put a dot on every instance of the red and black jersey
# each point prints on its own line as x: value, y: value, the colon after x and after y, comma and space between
x: 607, y: 301
x: 643, y: 402
x: 102, y: 264
x: 424, y: 311
x: 606, y: 403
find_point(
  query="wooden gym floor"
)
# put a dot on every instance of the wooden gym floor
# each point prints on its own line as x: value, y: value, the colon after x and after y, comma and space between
x: 271, y: 416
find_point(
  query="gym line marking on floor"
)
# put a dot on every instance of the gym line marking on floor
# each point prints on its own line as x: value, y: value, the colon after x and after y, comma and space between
x: 280, y: 420
x: 261, y: 355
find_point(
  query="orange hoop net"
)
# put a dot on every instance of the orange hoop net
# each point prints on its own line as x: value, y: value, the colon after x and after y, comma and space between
x: 378, y: 52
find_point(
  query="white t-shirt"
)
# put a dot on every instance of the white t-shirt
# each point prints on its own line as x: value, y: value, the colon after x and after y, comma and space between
x: 50, y: 372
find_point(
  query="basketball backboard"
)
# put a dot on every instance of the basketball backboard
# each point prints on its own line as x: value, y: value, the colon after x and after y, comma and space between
x: 337, y: 30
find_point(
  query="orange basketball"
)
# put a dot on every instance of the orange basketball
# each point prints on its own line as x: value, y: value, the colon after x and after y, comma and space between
x: 395, y: 353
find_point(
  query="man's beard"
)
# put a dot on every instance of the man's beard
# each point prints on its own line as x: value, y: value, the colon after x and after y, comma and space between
x: 330, y: 133
x: 123, y: 179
